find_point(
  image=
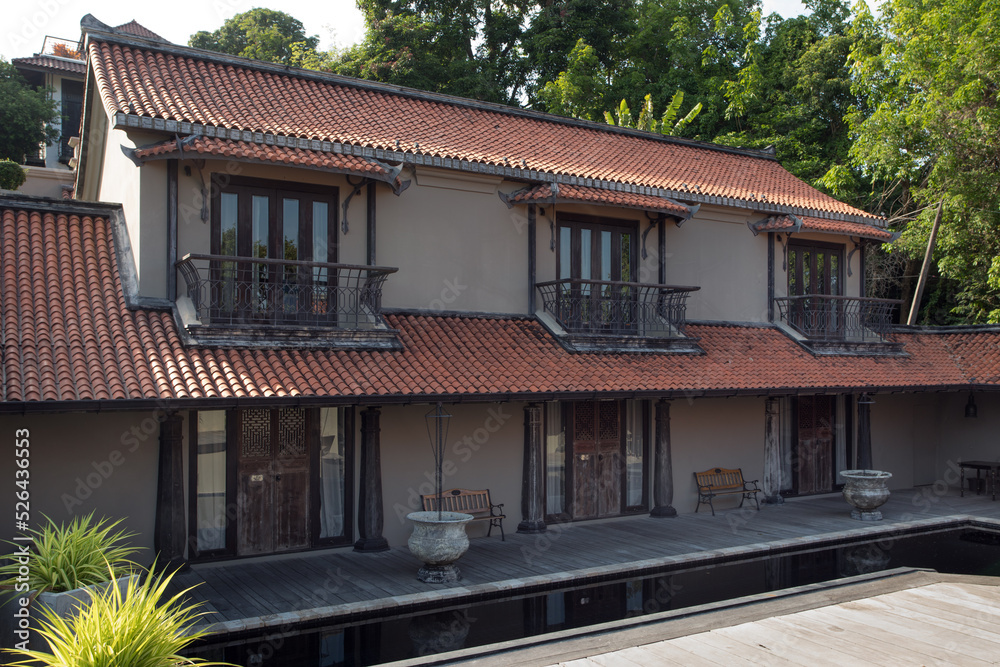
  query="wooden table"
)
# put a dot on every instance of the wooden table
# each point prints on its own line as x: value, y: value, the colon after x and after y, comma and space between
x: 990, y: 466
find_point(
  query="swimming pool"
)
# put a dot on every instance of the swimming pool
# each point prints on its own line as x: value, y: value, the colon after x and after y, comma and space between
x: 957, y: 551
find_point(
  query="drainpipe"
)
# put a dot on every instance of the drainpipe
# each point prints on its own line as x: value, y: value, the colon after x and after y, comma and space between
x: 371, y: 223
x: 172, y: 230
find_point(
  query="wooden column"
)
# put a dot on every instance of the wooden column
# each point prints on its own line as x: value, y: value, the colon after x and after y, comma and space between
x: 170, y: 532
x: 663, y: 466
x: 532, y: 488
x: 370, y: 494
x: 864, y: 432
x: 772, y: 452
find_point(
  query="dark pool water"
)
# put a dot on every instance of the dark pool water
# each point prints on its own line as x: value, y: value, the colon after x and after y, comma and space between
x: 961, y: 551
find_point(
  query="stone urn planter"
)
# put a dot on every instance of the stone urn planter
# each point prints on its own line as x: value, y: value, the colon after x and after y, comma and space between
x: 66, y: 603
x: 439, y: 540
x: 866, y: 491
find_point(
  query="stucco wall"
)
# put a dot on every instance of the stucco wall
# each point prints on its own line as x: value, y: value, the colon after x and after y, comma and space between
x: 456, y: 244
x: 142, y: 192
x: 484, y: 450
x: 714, y: 432
x: 965, y: 439
x: 88, y: 462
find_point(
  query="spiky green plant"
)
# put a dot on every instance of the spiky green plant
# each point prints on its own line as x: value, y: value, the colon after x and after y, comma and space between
x: 122, y: 630
x: 75, y: 555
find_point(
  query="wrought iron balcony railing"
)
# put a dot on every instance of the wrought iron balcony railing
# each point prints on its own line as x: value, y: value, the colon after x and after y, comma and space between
x: 229, y: 291
x: 616, y: 308
x: 839, y: 318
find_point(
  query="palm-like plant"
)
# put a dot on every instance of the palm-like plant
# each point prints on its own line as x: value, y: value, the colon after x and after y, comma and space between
x: 130, y: 629
x: 81, y: 553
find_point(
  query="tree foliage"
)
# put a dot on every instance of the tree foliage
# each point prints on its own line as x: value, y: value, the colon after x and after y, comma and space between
x: 928, y: 127
x: 263, y: 34
x: 26, y: 115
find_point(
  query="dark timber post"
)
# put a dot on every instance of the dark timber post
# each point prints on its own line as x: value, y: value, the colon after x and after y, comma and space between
x: 169, y: 535
x: 370, y: 496
x: 865, y: 432
x: 663, y: 467
x: 772, y: 452
x: 532, y: 507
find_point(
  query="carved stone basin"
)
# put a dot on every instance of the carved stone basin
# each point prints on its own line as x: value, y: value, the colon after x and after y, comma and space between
x: 866, y: 491
x: 439, y: 542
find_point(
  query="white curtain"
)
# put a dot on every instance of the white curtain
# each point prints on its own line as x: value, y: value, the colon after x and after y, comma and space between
x: 211, y: 480
x: 331, y: 473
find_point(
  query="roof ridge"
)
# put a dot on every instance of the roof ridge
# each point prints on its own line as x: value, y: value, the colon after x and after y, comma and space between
x: 127, y: 39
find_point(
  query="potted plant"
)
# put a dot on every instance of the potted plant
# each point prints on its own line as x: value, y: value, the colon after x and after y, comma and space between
x: 439, y: 537
x: 121, y: 628
x: 69, y: 563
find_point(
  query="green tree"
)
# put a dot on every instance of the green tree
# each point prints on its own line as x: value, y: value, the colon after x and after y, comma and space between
x: 459, y: 47
x: 581, y: 89
x: 668, y: 123
x: 26, y: 115
x: 264, y: 34
x: 927, y: 126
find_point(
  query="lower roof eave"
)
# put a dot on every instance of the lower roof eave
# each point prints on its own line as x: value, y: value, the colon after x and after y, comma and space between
x: 176, y: 404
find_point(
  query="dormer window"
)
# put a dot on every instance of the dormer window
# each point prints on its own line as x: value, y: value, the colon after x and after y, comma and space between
x: 597, y: 302
x: 280, y: 224
x: 273, y: 264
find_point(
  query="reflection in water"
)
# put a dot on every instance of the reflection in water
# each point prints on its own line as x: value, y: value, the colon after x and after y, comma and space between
x: 384, y: 640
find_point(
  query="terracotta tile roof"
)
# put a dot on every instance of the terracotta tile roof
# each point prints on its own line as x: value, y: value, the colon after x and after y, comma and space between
x: 67, y: 335
x: 810, y: 224
x: 553, y: 192
x: 182, y: 85
x: 139, y: 30
x: 51, y: 63
x: 245, y: 150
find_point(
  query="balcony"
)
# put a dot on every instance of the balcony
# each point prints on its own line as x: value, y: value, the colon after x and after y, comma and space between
x: 607, y: 316
x: 841, y: 324
x: 243, y: 300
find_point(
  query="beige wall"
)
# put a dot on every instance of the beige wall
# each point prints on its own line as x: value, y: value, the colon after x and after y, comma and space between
x: 89, y: 462
x: 142, y: 192
x: 714, y: 432
x: 484, y: 450
x: 964, y: 439
x: 456, y: 244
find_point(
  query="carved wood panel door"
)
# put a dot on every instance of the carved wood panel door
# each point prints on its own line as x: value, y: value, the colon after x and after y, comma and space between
x: 272, y: 481
x: 597, y: 459
x: 814, y: 451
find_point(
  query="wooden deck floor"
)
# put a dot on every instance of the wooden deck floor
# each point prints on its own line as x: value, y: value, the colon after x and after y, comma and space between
x: 951, y: 623
x: 340, y: 584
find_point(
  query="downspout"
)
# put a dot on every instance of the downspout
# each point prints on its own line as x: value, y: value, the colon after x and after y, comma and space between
x: 371, y: 223
x: 770, y: 276
x: 661, y: 247
x: 172, y: 230
x: 532, y: 251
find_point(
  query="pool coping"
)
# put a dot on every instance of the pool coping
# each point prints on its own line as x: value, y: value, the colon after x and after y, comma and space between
x: 400, y: 604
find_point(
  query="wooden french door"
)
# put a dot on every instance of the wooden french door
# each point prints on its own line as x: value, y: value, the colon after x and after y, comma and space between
x: 273, y: 495
x: 598, y: 257
x: 255, y: 219
x: 815, y: 449
x: 597, y: 459
x: 816, y: 269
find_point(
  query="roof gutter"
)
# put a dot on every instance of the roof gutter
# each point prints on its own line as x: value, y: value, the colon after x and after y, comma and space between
x: 168, y: 405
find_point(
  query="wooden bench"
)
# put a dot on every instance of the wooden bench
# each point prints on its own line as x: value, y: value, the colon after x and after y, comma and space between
x: 721, y: 482
x: 476, y: 503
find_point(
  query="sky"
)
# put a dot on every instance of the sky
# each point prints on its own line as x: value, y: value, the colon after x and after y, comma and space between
x: 336, y: 22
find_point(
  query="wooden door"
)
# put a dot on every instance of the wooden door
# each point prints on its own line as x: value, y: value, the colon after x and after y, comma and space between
x: 815, y: 448
x: 273, y: 481
x: 597, y: 459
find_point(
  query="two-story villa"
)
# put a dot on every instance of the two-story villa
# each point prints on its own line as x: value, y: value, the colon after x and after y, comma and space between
x: 238, y: 353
